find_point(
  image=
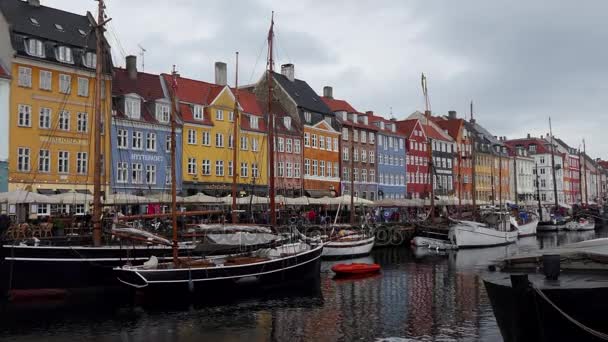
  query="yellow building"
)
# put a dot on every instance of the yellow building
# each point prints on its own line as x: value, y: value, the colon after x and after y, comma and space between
x: 51, y: 56
x: 207, y: 112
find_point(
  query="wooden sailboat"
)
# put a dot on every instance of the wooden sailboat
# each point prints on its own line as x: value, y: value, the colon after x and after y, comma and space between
x: 293, y: 261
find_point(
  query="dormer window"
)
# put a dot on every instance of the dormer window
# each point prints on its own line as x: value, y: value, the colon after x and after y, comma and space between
x: 64, y: 54
x: 90, y: 60
x: 133, y: 108
x: 198, y: 112
x: 253, y: 122
x: 34, y: 22
x: 365, y: 121
x: 532, y: 148
x: 344, y: 116
x: 35, y: 47
x: 162, y: 112
x: 307, y: 117
x: 59, y: 27
x: 393, y: 128
x: 381, y: 125
x: 287, y: 122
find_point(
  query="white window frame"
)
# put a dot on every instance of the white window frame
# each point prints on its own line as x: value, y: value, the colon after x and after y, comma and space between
x: 82, y: 122
x: 151, y: 174
x: 137, y: 173
x: 137, y: 138
x: 219, y: 114
x: 64, y: 120
x: 219, y: 168
x: 24, y: 115
x: 122, y: 172
x: 198, y: 113
x: 219, y: 140
x: 65, y: 84
x: 133, y: 108
x: 44, y: 161
x: 151, y: 142
x: 83, y: 86
x: 191, y: 137
x: 122, y: 136
x: 163, y: 112
x: 82, y: 163
x: 64, y: 54
x: 63, y: 162
x: 25, y: 77
x: 206, y: 167
x: 45, y: 81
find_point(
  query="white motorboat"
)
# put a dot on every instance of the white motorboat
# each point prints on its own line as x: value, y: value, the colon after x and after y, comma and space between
x: 528, y: 228
x: 470, y: 234
x: 580, y: 225
x: 349, y: 245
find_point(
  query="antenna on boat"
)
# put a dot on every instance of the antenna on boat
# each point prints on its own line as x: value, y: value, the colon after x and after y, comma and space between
x: 99, y: 29
x: 173, y: 164
x: 235, y: 215
x: 269, y: 80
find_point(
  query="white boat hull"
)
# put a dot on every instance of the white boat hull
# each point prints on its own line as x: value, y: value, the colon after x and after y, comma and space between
x: 342, y: 248
x: 527, y: 229
x: 579, y: 226
x: 478, y: 235
x: 432, y: 243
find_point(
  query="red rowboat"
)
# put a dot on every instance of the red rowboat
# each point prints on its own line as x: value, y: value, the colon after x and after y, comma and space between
x: 355, y: 269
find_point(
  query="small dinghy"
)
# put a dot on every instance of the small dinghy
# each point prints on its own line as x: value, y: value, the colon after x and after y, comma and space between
x: 355, y: 269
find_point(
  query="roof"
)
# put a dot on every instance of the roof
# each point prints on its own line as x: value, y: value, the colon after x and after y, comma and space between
x: 280, y: 113
x: 433, y: 133
x: 249, y: 103
x: 406, y: 127
x: 338, y: 105
x: 303, y: 95
x: 452, y: 126
x: 146, y: 85
x: 431, y: 129
x: 541, y: 144
x: 185, y: 111
x: 194, y: 91
x: 480, y: 130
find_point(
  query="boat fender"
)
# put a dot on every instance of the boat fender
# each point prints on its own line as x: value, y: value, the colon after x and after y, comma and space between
x: 151, y: 264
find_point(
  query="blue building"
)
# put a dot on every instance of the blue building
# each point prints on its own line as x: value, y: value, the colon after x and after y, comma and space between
x: 141, y: 134
x: 391, y: 156
x: 3, y: 176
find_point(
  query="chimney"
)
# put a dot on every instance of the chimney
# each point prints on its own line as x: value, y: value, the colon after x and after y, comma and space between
x: 34, y: 3
x: 427, y: 113
x: 369, y: 113
x: 221, y: 73
x: 131, y: 62
x: 452, y: 114
x: 328, y: 92
x: 288, y: 71
x: 528, y: 135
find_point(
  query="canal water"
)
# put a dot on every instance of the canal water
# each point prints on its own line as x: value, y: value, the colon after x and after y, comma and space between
x: 419, y: 296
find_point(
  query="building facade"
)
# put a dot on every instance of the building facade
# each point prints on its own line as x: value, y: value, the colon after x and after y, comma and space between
x: 51, y: 56
x: 141, y: 134
x: 417, y: 158
x: 289, y: 156
x: 358, y: 147
x: 391, y: 157
x: 523, y: 189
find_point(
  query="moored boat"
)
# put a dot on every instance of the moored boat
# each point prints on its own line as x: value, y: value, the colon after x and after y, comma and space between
x: 580, y: 224
x: 527, y: 228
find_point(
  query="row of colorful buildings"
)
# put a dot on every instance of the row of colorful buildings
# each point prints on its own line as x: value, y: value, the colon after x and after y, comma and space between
x: 323, y: 145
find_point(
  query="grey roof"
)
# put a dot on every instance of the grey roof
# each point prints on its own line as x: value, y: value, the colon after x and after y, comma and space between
x: 304, y: 96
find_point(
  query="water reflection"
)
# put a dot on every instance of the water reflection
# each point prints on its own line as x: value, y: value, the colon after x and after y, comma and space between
x: 420, y: 295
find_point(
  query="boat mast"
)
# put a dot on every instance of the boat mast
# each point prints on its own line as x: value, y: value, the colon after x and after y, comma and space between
x: 98, y: 123
x: 500, y: 177
x: 459, y: 179
x: 493, y: 181
x: 580, y: 174
x: 352, y: 174
x: 540, y: 207
x: 269, y: 80
x: 585, y: 173
x: 427, y: 115
x: 173, y: 166
x: 515, y: 176
x: 553, y: 167
x: 473, y: 162
x: 235, y: 142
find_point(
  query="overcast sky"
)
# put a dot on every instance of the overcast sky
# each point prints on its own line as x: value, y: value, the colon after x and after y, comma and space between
x: 519, y: 61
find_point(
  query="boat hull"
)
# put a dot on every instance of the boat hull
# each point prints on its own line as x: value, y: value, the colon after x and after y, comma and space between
x: 343, y: 249
x: 527, y: 229
x: 579, y: 226
x: 433, y: 243
x: 182, y: 281
x: 474, y: 236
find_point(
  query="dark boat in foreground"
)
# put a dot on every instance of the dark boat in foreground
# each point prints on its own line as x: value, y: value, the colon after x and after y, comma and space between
x: 566, y: 302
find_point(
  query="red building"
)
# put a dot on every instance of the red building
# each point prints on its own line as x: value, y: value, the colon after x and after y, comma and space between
x: 417, y: 158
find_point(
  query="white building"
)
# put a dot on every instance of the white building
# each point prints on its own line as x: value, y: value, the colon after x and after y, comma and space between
x: 522, y: 176
x: 545, y: 177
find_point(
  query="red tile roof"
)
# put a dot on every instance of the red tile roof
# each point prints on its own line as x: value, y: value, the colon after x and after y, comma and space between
x: 432, y: 133
x: 249, y: 103
x: 338, y: 105
x: 146, y: 85
x: 540, y: 144
x: 193, y: 91
x: 187, y: 115
x: 453, y: 126
x: 406, y: 127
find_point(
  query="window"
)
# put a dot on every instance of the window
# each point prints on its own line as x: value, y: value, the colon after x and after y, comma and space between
x: 25, y: 116
x: 281, y: 145
x: 83, y: 86
x: 307, y: 167
x: 363, y: 156
x: 314, y: 140
x: 244, y: 170
x: 255, y: 173
x: 151, y: 142
x: 219, y: 140
x: 192, y: 166
x: 255, y: 144
x: 25, y: 77
x: 307, y: 117
x: 63, y: 162
x: 281, y: 170
x: 289, y: 169
x: 364, y: 175
x: 168, y: 175
x: 306, y: 139
x: 219, y: 167
x: 244, y: 143
x: 356, y: 155
x: 150, y: 174
x: 543, y: 183
x: 296, y: 146
x: 371, y: 157
x: 206, y: 138
x: 542, y: 171
x: 35, y: 47
x: 64, y: 120
x: 64, y: 54
x: 345, y: 175
x: 191, y: 137
x: 65, y: 83
x: 253, y: 121
x: 345, y: 133
x: 121, y: 137
x: 322, y: 143
x: 288, y: 145
x: 133, y: 108
x: 122, y: 172
x: 198, y: 112
x: 206, y: 165
x: 231, y: 141
x: 328, y: 143
x: 336, y: 170
x: 230, y: 168
x: 219, y: 114
x: 46, y: 80
x: 356, y: 174
x: 322, y: 168
x: 329, y: 169
x: 231, y: 116
x: 82, y: 120
x: 163, y: 113
x: 345, y: 153
x: 363, y: 136
x: 287, y: 122
x: 296, y: 170
x: 44, y: 161
x: 137, y: 176
x: 90, y: 60
x: 136, y: 142
x: 82, y: 163
x: 355, y: 135
x: 372, y: 176
x: 315, y: 167
x: 372, y: 138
